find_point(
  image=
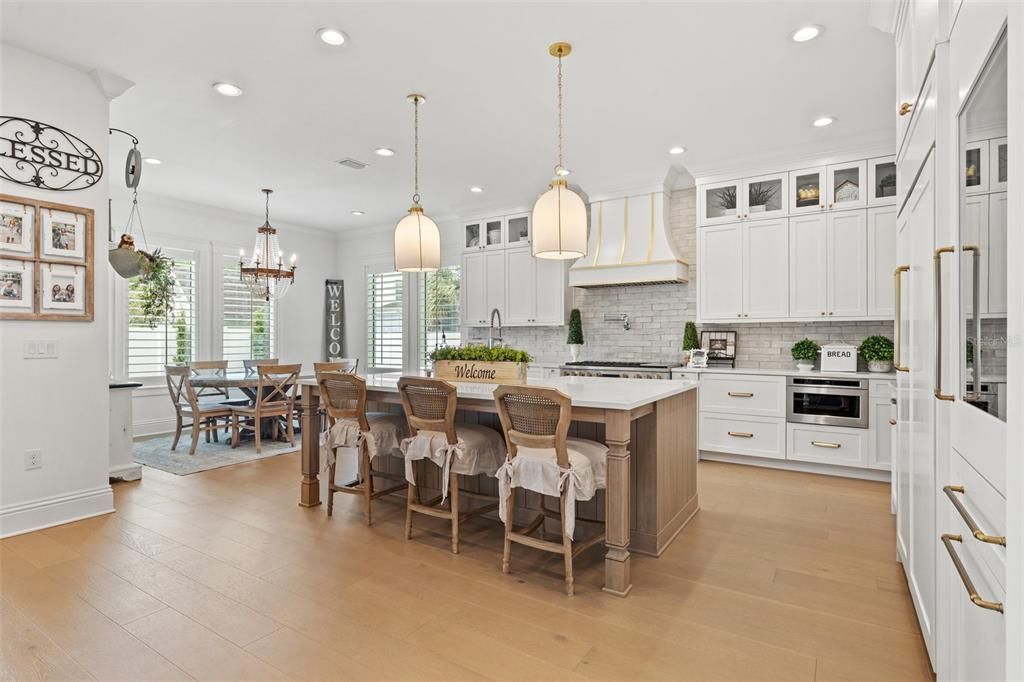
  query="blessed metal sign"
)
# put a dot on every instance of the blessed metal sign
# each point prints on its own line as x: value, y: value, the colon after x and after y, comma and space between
x: 334, y: 317
x: 44, y: 156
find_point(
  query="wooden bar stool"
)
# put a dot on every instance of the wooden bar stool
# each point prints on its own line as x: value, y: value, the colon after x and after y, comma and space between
x: 275, y: 397
x: 466, y: 449
x: 542, y: 458
x: 373, y: 435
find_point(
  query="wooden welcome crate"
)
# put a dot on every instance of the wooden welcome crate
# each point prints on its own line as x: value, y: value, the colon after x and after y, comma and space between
x: 481, y: 372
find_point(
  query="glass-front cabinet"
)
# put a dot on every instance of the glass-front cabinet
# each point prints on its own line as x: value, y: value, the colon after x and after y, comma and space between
x: 753, y: 198
x: 882, y: 181
x: 807, y: 190
x: 518, y: 229
x: 493, y: 229
x: 982, y: 241
x: 846, y: 186
x: 471, y: 234
x: 719, y: 202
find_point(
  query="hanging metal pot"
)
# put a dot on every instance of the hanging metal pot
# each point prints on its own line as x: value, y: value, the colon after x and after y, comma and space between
x: 126, y: 261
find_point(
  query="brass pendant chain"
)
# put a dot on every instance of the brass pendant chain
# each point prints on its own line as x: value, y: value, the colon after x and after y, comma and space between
x: 559, y: 166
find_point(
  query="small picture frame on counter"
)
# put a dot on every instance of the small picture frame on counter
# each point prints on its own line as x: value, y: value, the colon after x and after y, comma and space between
x: 698, y: 358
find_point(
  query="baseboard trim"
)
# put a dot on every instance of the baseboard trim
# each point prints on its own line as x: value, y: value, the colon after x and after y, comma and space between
x: 152, y: 427
x: 126, y: 472
x: 22, y: 518
x: 804, y: 467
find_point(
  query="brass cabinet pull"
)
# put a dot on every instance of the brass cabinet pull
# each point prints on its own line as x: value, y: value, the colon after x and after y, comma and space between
x: 740, y: 434
x: 826, y: 444
x: 937, y: 260
x: 905, y: 108
x: 892, y: 422
x: 948, y: 539
x: 740, y: 394
x: 899, y: 319
x: 978, y: 533
x: 975, y: 252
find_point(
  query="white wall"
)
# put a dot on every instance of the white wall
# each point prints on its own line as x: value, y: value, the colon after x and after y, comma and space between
x: 59, y: 405
x: 213, y: 231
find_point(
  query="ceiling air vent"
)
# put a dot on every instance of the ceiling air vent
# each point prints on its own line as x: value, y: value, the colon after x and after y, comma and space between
x: 349, y: 162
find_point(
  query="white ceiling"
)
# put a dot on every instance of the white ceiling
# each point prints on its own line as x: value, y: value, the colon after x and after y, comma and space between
x: 720, y: 78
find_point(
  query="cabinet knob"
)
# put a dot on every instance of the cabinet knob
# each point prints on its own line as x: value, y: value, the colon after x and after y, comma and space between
x: 831, y: 205
x: 905, y: 108
x: 821, y: 206
x: 830, y: 312
x: 822, y: 312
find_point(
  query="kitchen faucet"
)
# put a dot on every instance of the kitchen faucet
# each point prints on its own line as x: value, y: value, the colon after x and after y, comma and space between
x: 490, y: 332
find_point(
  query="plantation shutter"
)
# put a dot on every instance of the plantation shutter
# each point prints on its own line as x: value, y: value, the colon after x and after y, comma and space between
x: 384, y: 328
x: 172, y: 339
x: 247, y: 324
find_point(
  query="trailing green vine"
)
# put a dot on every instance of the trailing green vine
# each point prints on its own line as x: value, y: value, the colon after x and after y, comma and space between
x: 154, y: 288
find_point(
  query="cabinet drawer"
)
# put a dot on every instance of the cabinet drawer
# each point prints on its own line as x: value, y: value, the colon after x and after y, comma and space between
x: 988, y: 509
x: 827, y: 445
x: 759, y: 437
x: 882, y: 389
x: 761, y: 396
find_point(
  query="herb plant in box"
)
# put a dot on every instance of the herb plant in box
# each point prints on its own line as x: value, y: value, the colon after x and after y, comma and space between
x: 805, y: 352
x: 878, y: 352
x: 481, y: 364
x: 575, y: 339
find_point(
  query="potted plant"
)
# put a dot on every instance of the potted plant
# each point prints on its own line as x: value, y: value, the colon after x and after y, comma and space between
x: 878, y: 352
x: 805, y: 352
x: 575, y: 339
x: 690, y: 341
x: 480, y: 363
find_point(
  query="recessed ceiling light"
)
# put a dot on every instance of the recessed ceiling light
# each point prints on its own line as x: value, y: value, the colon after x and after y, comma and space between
x: 823, y: 121
x: 384, y: 151
x: 152, y: 160
x: 227, y: 89
x: 805, y: 33
x: 358, y: 212
x: 476, y: 189
x: 332, y: 36
x: 677, y: 150
x: 563, y: 172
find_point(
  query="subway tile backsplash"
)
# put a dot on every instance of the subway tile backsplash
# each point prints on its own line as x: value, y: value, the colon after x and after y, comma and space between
x: 658, y: 313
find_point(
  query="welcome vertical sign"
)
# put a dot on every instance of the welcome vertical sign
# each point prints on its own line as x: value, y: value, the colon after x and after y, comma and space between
x: 334, y: 318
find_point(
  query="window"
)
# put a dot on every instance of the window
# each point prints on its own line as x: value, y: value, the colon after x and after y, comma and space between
x: 171, y: 339
x: 384, y: 329
x: 439, y: 311
x: 247, y: 324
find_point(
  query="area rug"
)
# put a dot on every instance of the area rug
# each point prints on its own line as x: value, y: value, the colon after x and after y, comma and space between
x: 156, y: 452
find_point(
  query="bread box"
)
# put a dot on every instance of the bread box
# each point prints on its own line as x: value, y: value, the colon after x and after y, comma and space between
x: 838, y: 357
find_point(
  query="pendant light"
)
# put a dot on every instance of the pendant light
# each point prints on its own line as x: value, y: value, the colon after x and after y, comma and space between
x: 559, y: 216
x: 265, y: 275
x: 417, y: 239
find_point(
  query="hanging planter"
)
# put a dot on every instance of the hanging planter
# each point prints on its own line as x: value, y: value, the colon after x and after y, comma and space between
x: 124, y: 258
x: 155, y: 287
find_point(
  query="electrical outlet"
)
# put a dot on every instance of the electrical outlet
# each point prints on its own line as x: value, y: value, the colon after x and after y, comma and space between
x: 33, y: 459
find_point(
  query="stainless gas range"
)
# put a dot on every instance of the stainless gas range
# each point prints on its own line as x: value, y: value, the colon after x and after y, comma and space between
x: 626, y: 370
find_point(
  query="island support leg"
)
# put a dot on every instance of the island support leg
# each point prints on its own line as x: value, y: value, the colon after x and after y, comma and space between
x: 309, y: 489
x: 617, y: 578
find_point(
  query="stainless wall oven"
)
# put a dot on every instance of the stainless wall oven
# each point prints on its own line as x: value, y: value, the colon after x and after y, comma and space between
x: 827, y: 402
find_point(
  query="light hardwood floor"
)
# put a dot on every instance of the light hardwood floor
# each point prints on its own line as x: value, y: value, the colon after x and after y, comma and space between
x: 221, y: 575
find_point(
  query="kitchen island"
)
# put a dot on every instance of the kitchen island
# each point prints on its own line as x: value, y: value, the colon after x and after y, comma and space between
x: 649, y: 425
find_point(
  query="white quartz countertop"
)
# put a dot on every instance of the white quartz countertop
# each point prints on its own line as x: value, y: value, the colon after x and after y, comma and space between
x: 880, y: 376
x: 606, y: 393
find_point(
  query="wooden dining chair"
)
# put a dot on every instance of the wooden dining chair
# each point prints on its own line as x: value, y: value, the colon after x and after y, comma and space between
x: 275, y: 397
x: 343, y: 397
x: 352, y: 364
x: 536, y: 424
x: 213, y: 368
x: 345, y: 366
x: 251, y: 364
x: 204, y: 416
x: 458, y: 449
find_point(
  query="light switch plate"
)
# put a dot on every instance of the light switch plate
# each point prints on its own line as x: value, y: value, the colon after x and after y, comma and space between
x: 40, y: 349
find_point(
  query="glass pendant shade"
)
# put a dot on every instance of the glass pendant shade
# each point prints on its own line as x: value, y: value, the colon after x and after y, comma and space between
x: 559, y: 224
x: 417, y: 243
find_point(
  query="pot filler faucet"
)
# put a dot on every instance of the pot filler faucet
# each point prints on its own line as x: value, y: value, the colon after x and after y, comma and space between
x: 490, y: 332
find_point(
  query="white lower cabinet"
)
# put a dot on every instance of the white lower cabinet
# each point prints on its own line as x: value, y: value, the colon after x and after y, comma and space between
x: 755, y: 436
x: 758, y: 396
x: 881, y: 434
x: 838, y: 445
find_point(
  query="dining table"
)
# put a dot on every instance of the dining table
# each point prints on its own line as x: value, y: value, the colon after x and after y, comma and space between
x: 246, y: 382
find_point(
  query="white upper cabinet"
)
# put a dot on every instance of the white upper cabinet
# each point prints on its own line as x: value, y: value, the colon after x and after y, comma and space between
x: 998, y: 164
x: 808, y: 266
x: 474, y: 289
x: 495, y: 282
x: 720, y: 250
x: 719, y: 202
x: 494, y: 233
x: 976, y: 167
x: 881, y: 187
x: 847, y: 264
x: 994, y: 250
x: 471, y: 235
x: 483, y: 234
x: 518, y: 230
x: 551, y: 278
x: 847, y: 186
x: 881, y: 261
x: 520, y: 299
x: 807, y: 190
x: 766, y: 269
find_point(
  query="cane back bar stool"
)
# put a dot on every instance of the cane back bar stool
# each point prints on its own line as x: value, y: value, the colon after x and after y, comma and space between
x: 542, y: 458
x: 463, y: 449
x: 275, y: 397
x: 349, y: 426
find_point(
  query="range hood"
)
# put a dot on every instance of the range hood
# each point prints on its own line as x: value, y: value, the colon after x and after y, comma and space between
x: 630, y: 244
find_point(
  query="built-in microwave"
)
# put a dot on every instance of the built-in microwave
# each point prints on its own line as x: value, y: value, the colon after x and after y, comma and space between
x: 827, y: 402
